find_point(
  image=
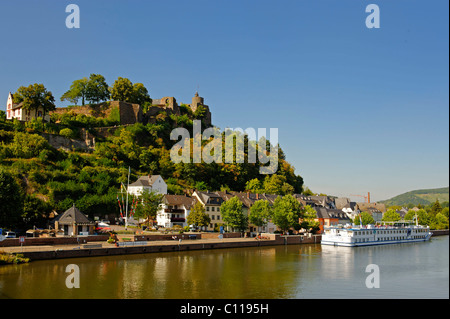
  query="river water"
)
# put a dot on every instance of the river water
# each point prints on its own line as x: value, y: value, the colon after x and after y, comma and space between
x: 415, y: 270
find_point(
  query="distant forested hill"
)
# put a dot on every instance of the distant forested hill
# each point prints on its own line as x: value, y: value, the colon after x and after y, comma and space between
x: 421, y: 196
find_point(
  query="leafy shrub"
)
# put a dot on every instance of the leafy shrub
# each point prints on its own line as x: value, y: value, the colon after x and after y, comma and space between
x: 67, y: 132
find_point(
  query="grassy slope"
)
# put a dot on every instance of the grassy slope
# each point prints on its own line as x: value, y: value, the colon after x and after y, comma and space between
x: 421, y: 196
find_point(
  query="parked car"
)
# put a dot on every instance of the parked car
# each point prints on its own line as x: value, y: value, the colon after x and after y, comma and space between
x: 103, y: 224
x: 10, y: 234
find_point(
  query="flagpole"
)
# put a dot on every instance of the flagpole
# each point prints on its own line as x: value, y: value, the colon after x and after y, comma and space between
x: 126, y: 212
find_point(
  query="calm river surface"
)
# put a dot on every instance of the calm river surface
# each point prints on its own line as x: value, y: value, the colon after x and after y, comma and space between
x: 416, y: 270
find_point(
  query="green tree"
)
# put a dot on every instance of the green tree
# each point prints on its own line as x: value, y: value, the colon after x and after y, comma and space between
x: 28, y: 145
x: 198, y: 216
x: 148, y: 204
x: 308, y: 221
x: 254, y: 186
x: 260, y: 213
x: 391, y: 216
x: 124, y: 90
x: 422, y: 216
x: 436, y: 208
x: 441, y: 221
x: 445, y: 211
x: 77, y: 90
x: 232, y: 214
x: 286, y: 212
x: 366, y: 219
x: 307, y: 192
x: 11, y: 199
x: 276, y: 184
x: 97, y: 89
x: 140, y: 94
x: 35, y: 212
x: 33, y: 97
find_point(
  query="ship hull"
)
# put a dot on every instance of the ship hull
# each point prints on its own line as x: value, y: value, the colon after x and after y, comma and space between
x: 373, y: 243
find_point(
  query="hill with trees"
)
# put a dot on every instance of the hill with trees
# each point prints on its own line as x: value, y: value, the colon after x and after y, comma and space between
x: 419, y: 197
x: 42, y: 179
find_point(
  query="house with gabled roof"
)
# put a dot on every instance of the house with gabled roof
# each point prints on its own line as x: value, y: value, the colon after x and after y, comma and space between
x: 211, y: 201
x: 73, y: 223
x: 150, y: 183
x: 331, y: 217
x: 17, y: 111
x: 174, y: 210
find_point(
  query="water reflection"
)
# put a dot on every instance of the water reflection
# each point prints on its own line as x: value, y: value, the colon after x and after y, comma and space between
x: 294, y: 271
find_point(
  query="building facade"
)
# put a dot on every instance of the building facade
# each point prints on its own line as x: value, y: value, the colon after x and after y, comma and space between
x: 151, y: 183
x: 17, y: 111
x: 174, y: 210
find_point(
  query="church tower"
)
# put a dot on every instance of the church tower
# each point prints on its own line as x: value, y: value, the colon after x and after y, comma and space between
x: 9, y: 105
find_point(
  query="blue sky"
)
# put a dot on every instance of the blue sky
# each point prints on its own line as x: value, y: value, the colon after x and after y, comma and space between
x: 357, y: 110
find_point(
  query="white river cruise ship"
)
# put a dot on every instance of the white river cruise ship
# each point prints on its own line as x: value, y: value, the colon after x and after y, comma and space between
x: 370, y: 235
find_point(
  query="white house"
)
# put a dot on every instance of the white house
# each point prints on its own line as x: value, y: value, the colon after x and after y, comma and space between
x: 16, y: 111
x: 174, y: 210
x: 351, y: 209
x: 153, y: 183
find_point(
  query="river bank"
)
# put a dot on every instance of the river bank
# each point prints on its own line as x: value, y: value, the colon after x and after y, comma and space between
x: 139, y: 246
x: 143, y: 244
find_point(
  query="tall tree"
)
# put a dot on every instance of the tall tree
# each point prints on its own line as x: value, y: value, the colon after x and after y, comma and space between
x: 77, y: 90
x: 436, y: 208
x: 254, y: 186
x: 391, y: 216
x: 366, y: 219
x: 140, y: 94
x: 124, y: 90
x: 198, y: 216
x: 11, y: 199
x: 97, y: 89
x: 309, y: 219
x: 260, y: 213
x: 286, y: 212
x: 276, y: 184
x: 147, y: 207
x: 232, y: 214
x: 421, y: 216
x: 33, y: 97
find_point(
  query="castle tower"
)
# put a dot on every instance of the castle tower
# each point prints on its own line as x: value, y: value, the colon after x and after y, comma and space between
x: 196, y: 101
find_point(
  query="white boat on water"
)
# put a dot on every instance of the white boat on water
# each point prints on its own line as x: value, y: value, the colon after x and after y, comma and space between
x: 397, y: 233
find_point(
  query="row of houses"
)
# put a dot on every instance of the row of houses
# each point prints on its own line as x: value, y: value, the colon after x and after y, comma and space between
x: 175, y: 209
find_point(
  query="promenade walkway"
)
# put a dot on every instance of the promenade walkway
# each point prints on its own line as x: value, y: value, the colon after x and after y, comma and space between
x: 94, y: 245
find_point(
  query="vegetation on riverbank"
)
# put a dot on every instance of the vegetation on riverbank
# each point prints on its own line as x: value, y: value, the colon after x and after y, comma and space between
x: 6, y: 258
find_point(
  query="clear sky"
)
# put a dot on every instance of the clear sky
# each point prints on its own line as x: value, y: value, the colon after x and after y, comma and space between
x: 357, y: 110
